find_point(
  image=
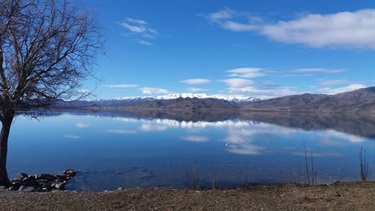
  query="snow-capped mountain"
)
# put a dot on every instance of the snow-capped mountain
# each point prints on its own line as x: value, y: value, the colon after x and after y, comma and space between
x: 235, y: 99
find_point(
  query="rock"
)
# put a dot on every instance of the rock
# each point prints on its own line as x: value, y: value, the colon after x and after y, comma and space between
x: 70, y: 173
x: 15, y: 185
x: 27, y: 189
x: 41, y: 183
x: 30, y: 181
x: 60, y: 185
x: 21, y: 176
x: 48, y: 177
x: 12, y: 188
x: 62, y: 177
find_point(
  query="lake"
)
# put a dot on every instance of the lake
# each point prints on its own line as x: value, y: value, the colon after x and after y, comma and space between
x: 115, y: 149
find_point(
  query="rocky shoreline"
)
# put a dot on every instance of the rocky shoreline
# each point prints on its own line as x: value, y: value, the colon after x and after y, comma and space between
x: 40, y: 183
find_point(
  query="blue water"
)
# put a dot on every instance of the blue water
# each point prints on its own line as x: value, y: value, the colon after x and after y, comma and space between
x: 119, y: 151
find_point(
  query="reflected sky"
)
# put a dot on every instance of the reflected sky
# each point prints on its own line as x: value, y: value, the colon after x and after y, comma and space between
x: 144, y: 152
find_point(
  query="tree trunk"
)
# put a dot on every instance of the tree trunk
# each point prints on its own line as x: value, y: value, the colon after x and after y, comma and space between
x: 6, y: 124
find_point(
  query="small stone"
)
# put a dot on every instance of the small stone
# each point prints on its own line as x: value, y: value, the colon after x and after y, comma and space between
x: 120, y: 188
x: 60, y: 185
x: 47, y: 177
x: 70, y: 173
x: 12, y: 188
x: 27, y: 189
x: 20, y: 176
x: 62, y: 177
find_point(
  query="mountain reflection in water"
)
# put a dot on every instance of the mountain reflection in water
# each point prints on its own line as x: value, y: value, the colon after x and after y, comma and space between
x: 154, y: 149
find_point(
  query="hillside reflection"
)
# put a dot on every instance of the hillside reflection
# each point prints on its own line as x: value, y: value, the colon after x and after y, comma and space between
x: 354, y: 124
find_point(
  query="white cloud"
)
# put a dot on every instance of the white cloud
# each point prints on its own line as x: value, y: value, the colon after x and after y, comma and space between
x: 143, y: 42
x: 229, y: 20
x: 139, y: 29
x: 121, y: 85
x: 195, y: 90
x: 151, y: 91
x: 264, y: 92
x: 343, y: 30
x: 221, y: 15
x: 238, y: 27
x: 82, y: 125
x: 195, y: 138
x: 196, y: 81
x: 237, y: 82
x: 318, y: 70
x: 338, y: 30
x: 332, y: 91
x: 324, y: 82
x: 246, y: 72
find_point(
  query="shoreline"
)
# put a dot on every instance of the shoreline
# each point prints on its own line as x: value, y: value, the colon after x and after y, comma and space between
x: 285, y: 196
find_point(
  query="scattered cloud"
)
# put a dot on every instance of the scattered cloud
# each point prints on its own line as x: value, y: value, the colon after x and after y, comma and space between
x: 121, y: 86
x: 246, y: 72
x: 140, y: 29
x: 324, y: 82
x: 143, y: 42
x: 237, y: 82
x: 230, y: 20
x: 339, y: 30
x: 332, y: 91
x: 82, y: 125
x: 220, y: 16
x: 195, y: 138
x: 318, y: 70
x: 151, y: 91
x: 196, y: 81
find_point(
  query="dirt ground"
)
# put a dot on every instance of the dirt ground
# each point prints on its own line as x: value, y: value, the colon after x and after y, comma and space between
x: 339, y: 196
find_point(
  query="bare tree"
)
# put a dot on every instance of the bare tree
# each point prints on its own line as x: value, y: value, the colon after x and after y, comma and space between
x: 47, y: 48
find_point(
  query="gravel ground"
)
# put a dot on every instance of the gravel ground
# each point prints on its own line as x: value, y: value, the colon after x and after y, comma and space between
x: 340, y: 196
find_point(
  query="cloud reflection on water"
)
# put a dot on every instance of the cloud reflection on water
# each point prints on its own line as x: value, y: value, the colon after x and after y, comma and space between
x: 246, y: 137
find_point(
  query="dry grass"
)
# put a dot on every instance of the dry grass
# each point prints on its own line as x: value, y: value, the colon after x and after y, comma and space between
x: 341, y: 196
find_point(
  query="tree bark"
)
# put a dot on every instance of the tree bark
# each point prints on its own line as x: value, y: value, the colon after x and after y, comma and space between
x: 4, y: 135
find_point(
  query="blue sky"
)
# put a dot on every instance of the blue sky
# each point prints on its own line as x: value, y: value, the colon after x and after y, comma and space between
x: 255, y: 48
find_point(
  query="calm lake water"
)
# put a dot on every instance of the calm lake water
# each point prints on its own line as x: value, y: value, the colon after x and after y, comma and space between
x: 114, y: 150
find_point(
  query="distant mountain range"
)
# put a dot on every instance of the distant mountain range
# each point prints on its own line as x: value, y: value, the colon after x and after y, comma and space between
x: 361, y: 100
x: 354, y: 101
x: 233, y: 99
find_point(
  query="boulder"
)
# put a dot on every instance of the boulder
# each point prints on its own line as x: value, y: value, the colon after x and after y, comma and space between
x: 20, y: 176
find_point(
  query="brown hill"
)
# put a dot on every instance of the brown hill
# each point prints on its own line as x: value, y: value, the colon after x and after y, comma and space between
x: 361, y: 100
